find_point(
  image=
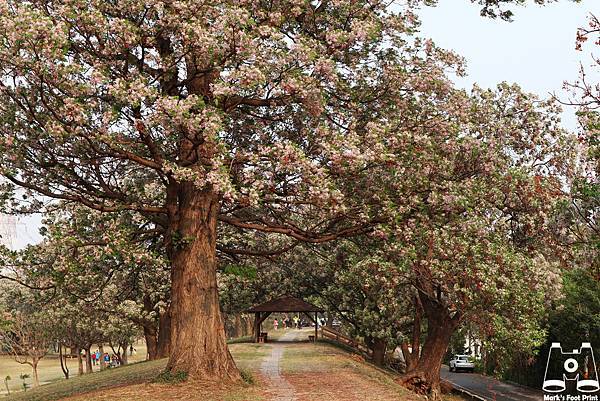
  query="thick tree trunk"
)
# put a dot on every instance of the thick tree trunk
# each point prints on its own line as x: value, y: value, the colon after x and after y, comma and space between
x: 198, y: 344
x: 410, y: 357
x: 123, y: 356
x: 150, y: 336
x: 79, y: 362
x: 102, y: 361
x: 88, y: 360
x: 164, y: 335
x: 424, y: 377
x: 379, y: 347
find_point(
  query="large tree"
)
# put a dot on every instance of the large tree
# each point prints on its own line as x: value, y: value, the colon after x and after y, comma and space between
x: 192, y: 113
x: 584, y: 230
x: 468, y: 195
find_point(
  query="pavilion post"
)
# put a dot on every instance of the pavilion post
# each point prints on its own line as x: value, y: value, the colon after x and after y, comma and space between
x: 256, y: 327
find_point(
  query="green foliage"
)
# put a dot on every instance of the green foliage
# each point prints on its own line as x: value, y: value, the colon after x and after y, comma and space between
x: 247, y: 376
x: 168, y: 377
x: 244, y: 271
x: 573, y: 319
x: 479, y: 366
x: 24, y: 377
x: 374, y: 300
x: 576, y: 317
x: 6, y: 380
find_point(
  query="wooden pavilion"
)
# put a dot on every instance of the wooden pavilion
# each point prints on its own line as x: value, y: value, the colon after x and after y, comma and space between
x: 284, y: 304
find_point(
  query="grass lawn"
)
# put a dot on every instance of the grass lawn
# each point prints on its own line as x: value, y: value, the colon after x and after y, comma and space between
x: 49, y: 368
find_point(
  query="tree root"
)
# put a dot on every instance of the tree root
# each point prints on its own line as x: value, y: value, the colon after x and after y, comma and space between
x: 420, y: 383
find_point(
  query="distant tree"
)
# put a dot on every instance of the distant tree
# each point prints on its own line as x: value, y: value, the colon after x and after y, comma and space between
x: 119, y: 333
x: 77, y: 327
x: 101, y: 280
x: 111, y: 264
x: 27, y: 334
x: 575, y: 318
x: 368, y: 295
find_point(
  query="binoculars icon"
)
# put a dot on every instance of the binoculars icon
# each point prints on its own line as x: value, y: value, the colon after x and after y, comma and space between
x: 578, y: 365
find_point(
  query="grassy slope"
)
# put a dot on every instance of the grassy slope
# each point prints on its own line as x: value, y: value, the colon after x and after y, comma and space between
x: 312, y: 368
x: 131, y: 374
x: 100, y: 383
x: 344, y: 376
x: 48, y: 369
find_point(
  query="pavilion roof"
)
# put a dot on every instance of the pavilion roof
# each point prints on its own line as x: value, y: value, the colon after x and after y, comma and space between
x: 285, y: 304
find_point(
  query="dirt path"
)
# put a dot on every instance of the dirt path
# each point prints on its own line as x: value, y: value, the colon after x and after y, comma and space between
x: 279, y: 387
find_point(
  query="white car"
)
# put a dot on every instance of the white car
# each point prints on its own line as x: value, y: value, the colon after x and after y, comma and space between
x: 461, y: 362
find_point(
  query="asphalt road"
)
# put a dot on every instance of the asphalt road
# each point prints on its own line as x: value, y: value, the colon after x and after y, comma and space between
x: 489, y: 388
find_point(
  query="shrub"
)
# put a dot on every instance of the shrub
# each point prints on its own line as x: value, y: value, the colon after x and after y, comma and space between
x: 247, y: 376
x: 168, y: 377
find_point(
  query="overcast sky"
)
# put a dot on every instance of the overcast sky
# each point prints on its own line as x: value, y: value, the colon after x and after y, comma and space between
x: 536, y: 50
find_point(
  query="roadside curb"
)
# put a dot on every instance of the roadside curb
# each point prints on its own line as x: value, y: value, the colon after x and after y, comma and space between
x: 466, y: 392
x: 520, y: 385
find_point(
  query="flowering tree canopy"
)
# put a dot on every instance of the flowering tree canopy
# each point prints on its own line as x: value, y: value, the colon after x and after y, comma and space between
x: 193, y: 113
x: 105, y: 265
x: 586, y: 207
x: 311, y: 120
x: 471, y: 216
